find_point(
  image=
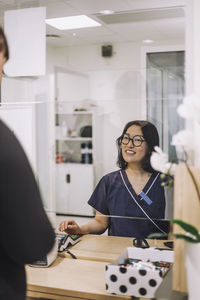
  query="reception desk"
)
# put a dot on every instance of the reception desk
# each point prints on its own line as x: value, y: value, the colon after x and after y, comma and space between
x: 81, y: 278
x: 104, y: 248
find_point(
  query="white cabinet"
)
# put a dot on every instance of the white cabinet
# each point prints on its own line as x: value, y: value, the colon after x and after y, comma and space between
x: 74, y: 186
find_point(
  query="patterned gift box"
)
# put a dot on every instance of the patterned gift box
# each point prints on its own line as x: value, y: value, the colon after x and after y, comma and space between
x: 132, y: 281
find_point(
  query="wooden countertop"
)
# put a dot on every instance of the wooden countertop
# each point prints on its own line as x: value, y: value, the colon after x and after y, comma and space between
x: 104, y: 248
x: 71, y: 278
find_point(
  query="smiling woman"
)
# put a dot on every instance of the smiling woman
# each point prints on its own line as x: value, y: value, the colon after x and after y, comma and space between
x: 128, y: 201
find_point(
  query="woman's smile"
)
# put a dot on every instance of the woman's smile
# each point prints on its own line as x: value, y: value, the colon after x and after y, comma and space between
x: 131, y: 152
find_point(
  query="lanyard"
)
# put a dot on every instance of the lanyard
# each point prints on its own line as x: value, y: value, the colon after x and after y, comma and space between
x: 139, y: 205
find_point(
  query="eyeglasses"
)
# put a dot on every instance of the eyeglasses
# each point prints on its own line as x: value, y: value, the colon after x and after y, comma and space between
x: 137, y: 140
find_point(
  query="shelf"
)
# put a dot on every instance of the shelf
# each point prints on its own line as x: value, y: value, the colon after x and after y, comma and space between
x: 74, y: 138
x: 70, y: 163
x: 75, y: 113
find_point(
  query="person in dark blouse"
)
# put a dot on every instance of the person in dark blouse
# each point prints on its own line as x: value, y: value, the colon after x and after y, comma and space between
x: 128, y: 201
x: 26, y: 234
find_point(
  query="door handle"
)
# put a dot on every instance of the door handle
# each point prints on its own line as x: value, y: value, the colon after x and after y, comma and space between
x: 68, y: 178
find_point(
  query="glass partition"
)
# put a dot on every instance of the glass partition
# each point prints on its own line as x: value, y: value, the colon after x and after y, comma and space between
x: 68, y: 145
x: 68, y: 121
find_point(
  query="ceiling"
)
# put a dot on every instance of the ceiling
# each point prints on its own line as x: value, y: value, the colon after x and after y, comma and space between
x: 133, y: 21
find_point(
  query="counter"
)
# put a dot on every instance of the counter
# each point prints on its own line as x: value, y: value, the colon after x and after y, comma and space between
x: 104, y: 248
x: 81, y: 278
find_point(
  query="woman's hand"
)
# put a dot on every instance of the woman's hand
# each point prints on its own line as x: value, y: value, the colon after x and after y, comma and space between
x: 97, y: 225
x: 70, y: 227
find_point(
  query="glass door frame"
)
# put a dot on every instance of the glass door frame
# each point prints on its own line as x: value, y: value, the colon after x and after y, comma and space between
x: 144, y: 51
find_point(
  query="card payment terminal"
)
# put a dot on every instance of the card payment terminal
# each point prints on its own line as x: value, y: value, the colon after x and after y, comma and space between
x: 66, y: 240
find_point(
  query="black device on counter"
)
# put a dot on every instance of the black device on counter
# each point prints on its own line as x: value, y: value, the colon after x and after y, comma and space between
x: 140, y: 243
x: 65, y: 240
x: 169, y: 244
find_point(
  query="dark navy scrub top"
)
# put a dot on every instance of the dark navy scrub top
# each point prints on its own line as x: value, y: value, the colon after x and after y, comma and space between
x: 111, y: 197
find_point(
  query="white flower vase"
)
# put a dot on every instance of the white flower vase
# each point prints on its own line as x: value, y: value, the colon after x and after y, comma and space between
x: 192, y: 263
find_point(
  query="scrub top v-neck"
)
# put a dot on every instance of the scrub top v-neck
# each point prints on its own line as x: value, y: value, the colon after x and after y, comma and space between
x: 145, y: 188
x: 111, y: 198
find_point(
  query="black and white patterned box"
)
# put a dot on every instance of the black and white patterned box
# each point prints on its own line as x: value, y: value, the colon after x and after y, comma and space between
x: 134, y: 282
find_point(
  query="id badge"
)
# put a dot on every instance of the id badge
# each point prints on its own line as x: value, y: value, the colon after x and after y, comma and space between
x: 146, y: 198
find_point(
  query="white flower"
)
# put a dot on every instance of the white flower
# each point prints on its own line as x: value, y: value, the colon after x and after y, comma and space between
x: 190, y: 109
x: 159, y: 161
x: 184, y: 140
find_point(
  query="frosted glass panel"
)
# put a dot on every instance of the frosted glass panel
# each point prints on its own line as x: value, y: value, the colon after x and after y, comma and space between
x: 72, y: 86
x: 20, y: 119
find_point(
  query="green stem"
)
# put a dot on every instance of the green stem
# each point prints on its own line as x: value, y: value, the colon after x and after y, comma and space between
x: 192, y: 176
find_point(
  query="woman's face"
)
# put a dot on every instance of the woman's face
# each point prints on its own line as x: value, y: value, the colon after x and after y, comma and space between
x: 2, y: 62
x: 134, y: 154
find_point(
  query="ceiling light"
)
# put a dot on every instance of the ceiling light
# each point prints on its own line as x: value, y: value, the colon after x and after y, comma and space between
x: 72, y: 22
x: 106, y: 12
x: 147, y: 41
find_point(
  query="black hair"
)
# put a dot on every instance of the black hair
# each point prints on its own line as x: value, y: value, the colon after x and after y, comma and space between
x: 4, y: 44
x: 151, y: 136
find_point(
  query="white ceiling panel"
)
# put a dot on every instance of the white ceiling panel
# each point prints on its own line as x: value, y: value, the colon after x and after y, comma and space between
x: 94, y: 6
x: 91, y: 32
x: 173, y: 29
x: 154, y: 4
x: 60, y: 9
x: 147, y: 25
x: 138, y: 31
